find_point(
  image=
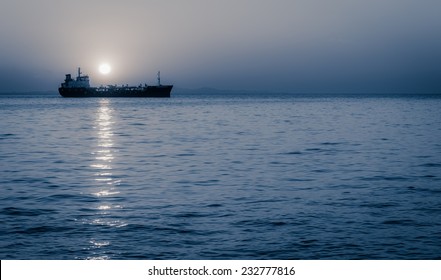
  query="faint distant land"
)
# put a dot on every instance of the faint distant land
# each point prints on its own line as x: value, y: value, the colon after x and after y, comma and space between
x: 80, y: 87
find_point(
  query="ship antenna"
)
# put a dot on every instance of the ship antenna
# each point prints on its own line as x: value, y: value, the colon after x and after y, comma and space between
x: 159, y: 78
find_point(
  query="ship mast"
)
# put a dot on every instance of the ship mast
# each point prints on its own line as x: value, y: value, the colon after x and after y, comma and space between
x: 159, y: 78
x: 79, y: 71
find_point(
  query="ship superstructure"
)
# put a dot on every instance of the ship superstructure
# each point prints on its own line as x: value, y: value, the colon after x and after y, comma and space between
x: 79, y: 82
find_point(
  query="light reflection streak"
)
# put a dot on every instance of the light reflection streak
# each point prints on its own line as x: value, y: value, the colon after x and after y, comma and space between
x: 105, y: 185
x: 110, y: 223
x: 99, y: 244
x: 105, y: 193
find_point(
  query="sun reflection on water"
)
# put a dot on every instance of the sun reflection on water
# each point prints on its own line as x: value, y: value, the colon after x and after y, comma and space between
x: 105, y: 186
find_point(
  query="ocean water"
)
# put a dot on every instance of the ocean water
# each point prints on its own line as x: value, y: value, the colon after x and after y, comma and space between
x: 221, y: 177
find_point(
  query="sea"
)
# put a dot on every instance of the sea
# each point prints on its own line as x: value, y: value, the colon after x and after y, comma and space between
x: 221, y: 176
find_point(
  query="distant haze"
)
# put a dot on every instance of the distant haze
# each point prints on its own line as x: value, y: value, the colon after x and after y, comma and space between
x: 277, y: 45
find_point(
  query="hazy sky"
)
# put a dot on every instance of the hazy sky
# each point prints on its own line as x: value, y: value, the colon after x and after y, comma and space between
x: 272, y: 45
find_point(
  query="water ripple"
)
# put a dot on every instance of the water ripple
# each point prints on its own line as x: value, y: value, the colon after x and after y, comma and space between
x: 220, y: 177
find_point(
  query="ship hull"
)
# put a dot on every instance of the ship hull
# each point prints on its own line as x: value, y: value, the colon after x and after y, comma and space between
x: 162, y: 91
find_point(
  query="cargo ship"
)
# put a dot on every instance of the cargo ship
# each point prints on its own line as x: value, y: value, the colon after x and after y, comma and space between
x: 80, y: 87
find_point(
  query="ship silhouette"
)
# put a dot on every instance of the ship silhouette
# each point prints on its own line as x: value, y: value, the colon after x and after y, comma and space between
x: 80, y: 87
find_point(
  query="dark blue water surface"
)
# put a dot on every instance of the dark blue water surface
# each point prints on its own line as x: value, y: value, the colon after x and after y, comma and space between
x: 221, y: 177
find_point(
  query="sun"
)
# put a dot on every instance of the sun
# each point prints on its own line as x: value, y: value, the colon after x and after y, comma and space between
x: 105, y: 68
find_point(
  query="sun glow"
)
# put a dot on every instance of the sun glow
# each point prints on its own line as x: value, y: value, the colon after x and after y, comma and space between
x: 105, y: 68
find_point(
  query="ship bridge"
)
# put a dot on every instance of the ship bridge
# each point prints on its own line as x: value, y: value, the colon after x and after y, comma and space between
x: 79, y: 82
